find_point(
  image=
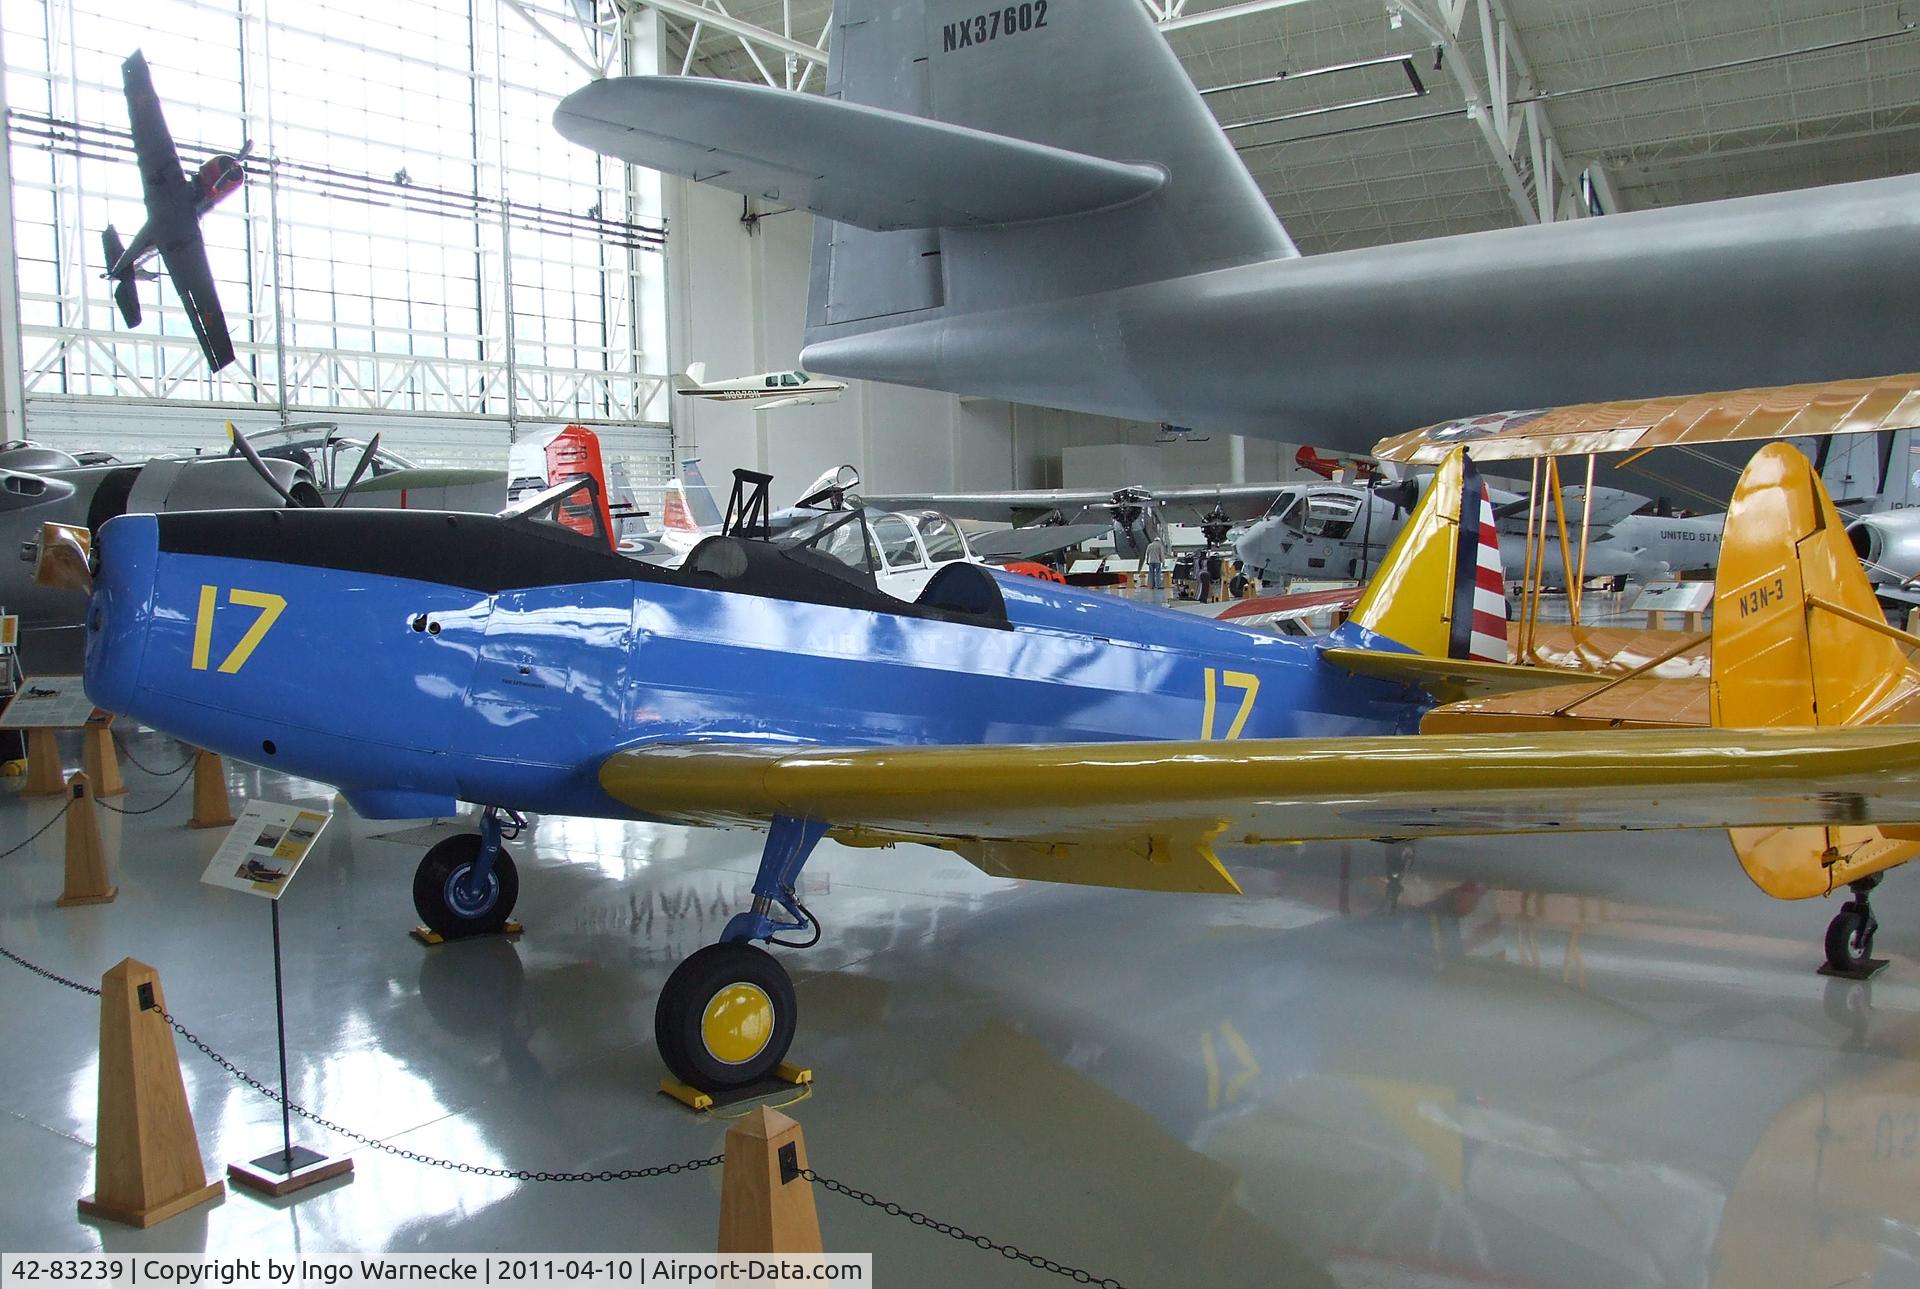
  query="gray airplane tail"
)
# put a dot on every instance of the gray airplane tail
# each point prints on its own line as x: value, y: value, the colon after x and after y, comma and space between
x: 964, y: 158
x: 1089, y: 77
x: 700, y: 501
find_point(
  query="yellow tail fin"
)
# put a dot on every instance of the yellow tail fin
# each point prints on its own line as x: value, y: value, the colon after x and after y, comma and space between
x: 1440, y: 591
x: 1794, y: 644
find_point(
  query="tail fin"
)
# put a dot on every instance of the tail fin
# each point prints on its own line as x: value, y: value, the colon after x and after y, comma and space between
x: 693, y: 381
x: 1792, y: 646
x: 675, y: 517
x: 698, y: 496
x: 1090, y: 77
x: 1441, y: 591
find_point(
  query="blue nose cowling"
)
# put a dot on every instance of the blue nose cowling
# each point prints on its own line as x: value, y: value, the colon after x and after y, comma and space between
x: 120, y: 610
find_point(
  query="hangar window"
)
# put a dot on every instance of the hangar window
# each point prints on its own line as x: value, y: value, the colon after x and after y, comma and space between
x: 427, y: 246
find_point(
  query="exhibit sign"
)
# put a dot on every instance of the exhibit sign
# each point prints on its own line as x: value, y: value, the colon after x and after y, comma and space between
x: 9, y: 632
x: 265, y: 847
x: 49, y: 702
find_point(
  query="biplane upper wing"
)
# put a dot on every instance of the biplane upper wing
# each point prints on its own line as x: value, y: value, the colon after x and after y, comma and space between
x: 1776, y: 412
x: 1148, y: 815
x: 192, y: 275
x: 160, y: 173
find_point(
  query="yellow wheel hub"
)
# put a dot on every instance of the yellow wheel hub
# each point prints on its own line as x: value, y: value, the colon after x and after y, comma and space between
x: 738, y: 1023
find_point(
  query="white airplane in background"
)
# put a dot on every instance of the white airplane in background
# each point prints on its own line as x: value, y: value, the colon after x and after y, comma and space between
x: 773, y: 388
x: 1332, y: 530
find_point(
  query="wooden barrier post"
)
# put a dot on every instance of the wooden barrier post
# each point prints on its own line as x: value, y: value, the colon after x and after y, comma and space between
x: 100, y: 761
x: 765, y: 1205
x: 147, y: 1167
x: 212, y: 807
x: 86, y: 858
x: 45, y: 778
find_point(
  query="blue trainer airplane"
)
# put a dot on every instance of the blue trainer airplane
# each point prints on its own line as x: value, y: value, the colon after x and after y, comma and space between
x: 1038, y: 731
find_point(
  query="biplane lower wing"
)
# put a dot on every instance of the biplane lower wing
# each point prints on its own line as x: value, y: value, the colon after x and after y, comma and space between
x: 1148, y: 814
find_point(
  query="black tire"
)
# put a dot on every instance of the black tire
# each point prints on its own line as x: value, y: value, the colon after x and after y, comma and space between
x: 445, y: 908
x: 1850, y: 938
x: 680, y: 1016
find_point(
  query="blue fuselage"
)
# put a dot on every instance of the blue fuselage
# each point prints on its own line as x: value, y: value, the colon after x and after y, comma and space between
x: 508, y: 675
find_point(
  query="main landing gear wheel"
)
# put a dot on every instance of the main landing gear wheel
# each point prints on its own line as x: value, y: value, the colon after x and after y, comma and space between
x: 725, y: 1017
x: 451, y: 901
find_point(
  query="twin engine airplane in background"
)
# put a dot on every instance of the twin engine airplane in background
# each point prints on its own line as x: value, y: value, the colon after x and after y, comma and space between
x: 766, y: 391
x: 175, y: 203
x: 1038, y: 731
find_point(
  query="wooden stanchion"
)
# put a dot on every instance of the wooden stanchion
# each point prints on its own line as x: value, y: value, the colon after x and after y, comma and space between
x: 147, y: 1167
x: 765, y: 1205
x: 212, y: 807
x: 86, y: 858
x: 100, y: 761
x: 45, y: 778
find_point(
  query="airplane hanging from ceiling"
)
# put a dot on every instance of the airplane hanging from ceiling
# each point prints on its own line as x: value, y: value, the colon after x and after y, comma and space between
x: 766, y: 390
x: 1072, y: 228
x: 1038, y: 731
x: 175, y: 204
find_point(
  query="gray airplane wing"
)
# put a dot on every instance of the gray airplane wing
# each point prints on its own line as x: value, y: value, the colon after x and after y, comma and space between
x: 1014, y: 506
x: 1005, y: 544
x: 186, y: 262
x: 1019, y: 505
x: 160, y: 173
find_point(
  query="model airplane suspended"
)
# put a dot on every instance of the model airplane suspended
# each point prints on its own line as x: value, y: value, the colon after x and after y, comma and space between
x: 766, y: 390
x: 1038, y: 731
x: 1067, y: 224
x: 175, y: 203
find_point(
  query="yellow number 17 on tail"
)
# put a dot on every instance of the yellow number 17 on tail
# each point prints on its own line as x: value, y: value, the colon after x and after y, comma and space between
x: 1249, y: 686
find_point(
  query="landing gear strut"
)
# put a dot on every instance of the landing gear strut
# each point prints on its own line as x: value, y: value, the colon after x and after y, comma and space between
x: 467, y: 885
x: 726, y: 1015
x: 1850, y: 934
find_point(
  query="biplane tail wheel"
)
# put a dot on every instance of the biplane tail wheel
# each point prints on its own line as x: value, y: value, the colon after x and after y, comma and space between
x: 1850, y: 936
x: 725, y: 1017
x: 449, y: 899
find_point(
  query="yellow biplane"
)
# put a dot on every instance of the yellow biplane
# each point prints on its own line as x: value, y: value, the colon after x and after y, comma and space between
x: 1798, y: 636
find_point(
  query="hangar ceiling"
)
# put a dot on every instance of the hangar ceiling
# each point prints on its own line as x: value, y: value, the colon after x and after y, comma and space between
x: 1664, y: 101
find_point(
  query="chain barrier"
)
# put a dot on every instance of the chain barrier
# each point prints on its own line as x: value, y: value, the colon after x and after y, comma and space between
x: 147, y: 810
x: 39, y: 970
x: 127, y: 752
x: 1007, y: 1251
x: 1010, y: 1252
x: 15, y: 850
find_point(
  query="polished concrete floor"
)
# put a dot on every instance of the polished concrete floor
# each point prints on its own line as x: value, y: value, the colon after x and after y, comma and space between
x: 1574, y: 1062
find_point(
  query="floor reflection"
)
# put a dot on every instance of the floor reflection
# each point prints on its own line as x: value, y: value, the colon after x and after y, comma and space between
x: 1577, y: 1062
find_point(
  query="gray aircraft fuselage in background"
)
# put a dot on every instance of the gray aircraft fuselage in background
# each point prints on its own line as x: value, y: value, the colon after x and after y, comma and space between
x: 1042, y: 209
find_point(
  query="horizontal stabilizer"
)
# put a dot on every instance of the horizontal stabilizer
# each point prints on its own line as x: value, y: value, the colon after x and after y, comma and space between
x: 1449, y: 680
x: 859, y: 165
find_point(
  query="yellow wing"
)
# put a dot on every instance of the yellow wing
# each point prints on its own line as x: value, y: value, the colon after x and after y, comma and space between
x: 1147, y: 815
x: 1781, y: 411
